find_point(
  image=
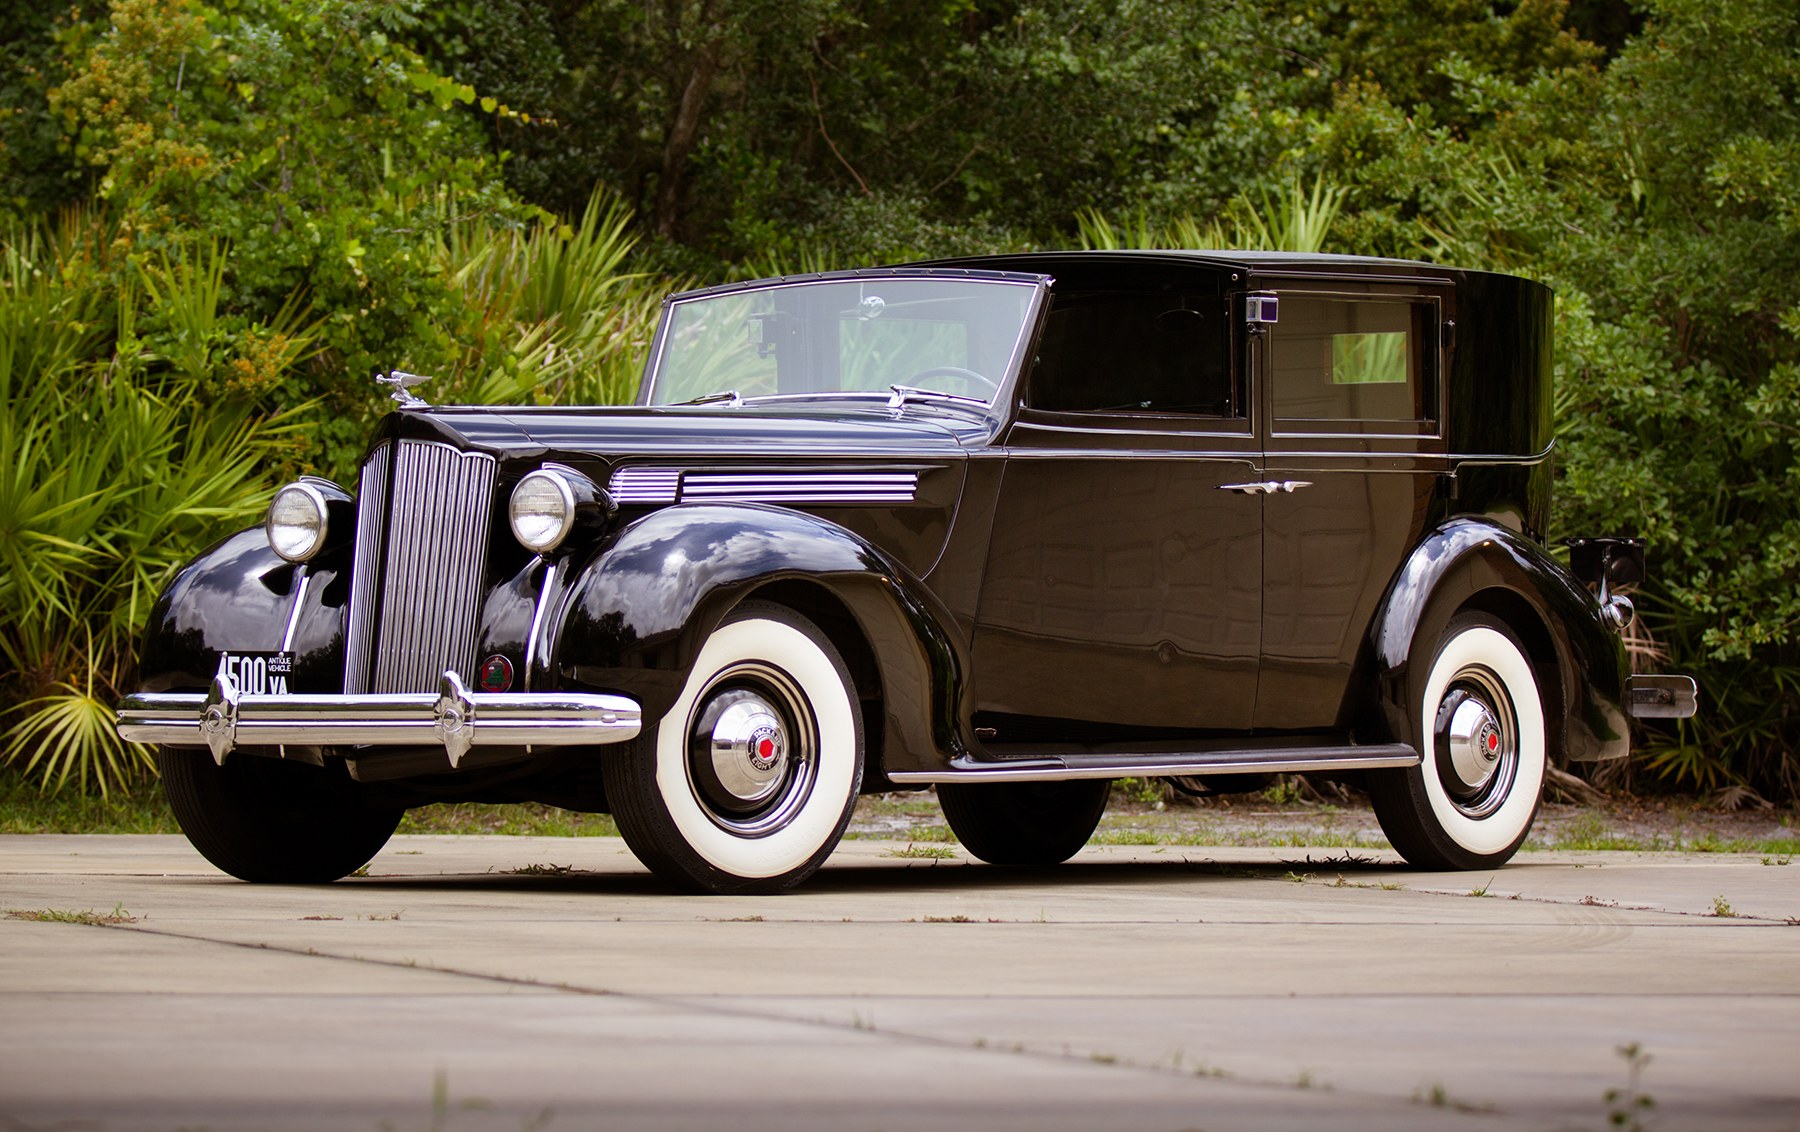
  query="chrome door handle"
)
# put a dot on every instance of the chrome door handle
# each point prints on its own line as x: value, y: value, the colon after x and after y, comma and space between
x: 1267, y: 487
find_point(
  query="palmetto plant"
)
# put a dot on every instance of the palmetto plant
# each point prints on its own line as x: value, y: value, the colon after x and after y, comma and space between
x: 554, y: 315
x: 116, y: 461
x: 133, y: 431
x: 1296, y: 220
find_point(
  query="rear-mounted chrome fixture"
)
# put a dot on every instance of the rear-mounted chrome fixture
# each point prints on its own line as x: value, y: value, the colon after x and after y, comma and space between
x: 1610, y: 565
x: 299, y: 519
x: 551, y: 502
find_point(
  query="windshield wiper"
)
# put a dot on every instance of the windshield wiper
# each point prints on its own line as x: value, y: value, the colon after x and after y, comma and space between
x: 728, y: 396
x: 905, y: 393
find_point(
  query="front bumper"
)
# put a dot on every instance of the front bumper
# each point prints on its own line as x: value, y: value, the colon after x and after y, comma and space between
x: 455, y: 718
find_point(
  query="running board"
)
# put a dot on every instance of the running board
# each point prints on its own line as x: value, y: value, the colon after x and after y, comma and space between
x: 1276, y: 760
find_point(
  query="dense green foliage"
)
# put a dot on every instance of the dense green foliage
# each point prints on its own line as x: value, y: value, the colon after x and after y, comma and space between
x: 241, y: 207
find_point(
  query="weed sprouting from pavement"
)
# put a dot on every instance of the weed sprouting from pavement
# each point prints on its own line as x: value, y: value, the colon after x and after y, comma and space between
x: 64, y: 916
x: 924, y: 852
x: 1438, y: 1096
x: 442, y: 1107
x: 1626, y: 1107
x: 1722, y: 908
x: 542, y: 870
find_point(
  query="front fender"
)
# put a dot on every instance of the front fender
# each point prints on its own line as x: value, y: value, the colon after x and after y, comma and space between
x: 1472, y: 563
x: 238, y: 596
x: 636, y: 617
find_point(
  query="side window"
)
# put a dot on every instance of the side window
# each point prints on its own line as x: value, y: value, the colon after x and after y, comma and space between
x: 1134, y: 351
x: 1335, y: 361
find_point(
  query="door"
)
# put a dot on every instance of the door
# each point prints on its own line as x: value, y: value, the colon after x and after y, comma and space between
x: 1124, y: 575
x: 1349, y: 377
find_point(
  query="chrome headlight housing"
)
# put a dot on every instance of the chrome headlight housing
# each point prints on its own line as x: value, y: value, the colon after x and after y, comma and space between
x: 298, y: 522
x: 542, y: 511
x: 553, y: 501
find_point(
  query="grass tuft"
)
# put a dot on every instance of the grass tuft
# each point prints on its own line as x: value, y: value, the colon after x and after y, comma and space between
x: 924, y: 852
x: 62, y: 916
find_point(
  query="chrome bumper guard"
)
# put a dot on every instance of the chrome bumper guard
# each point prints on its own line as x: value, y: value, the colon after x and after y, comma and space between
x: 1661, y: 697
x: 455, y: 718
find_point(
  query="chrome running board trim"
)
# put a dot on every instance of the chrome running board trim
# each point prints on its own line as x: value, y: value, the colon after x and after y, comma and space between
x: 1282, y: 760
x: 453, y: 718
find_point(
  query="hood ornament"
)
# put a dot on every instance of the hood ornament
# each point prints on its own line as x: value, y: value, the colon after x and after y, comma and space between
x: 402, y: 384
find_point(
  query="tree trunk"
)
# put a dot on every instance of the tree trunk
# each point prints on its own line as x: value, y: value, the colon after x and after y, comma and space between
x: 682, y: 134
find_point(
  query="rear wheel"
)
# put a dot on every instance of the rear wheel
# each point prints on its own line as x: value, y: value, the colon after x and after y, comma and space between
x: 748, y: 781
x: 270, y: 821
x: 1480, y: 730
x: 1024, y: 823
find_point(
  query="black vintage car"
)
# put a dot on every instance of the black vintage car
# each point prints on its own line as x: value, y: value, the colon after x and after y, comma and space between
x: 1012, y: 527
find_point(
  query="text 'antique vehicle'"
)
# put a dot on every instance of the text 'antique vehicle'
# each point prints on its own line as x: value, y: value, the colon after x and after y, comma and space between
x: 1011, y: 527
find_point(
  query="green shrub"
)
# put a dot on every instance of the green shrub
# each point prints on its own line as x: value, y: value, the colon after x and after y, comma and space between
x: 120, y: 454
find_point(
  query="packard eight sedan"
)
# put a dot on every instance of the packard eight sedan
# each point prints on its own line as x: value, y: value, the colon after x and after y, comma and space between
x: 1009, y: 527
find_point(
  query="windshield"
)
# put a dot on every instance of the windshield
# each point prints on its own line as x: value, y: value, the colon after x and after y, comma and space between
x: 843, y: 336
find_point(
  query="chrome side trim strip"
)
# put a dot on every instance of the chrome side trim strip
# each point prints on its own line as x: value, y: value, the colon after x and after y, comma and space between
x: 293, y: 625
x: 546, y: 595
x: 453, y: 717
x: 641, y: 485
x: 645, y: 485
x: 1291, y: 760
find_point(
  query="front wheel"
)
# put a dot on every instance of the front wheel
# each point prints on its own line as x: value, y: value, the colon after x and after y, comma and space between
x: 1480, y: 728
x: 748, y: 781
x: 273, y: 822
x: 1024, y: 823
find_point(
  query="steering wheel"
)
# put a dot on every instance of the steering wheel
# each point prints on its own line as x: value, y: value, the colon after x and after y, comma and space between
x: 954, y: 371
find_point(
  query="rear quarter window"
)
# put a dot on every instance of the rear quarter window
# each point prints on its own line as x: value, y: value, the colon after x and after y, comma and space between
x: 1345, y: 361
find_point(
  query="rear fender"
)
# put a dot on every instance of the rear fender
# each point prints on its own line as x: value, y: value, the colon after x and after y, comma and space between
x: 1474, y: 564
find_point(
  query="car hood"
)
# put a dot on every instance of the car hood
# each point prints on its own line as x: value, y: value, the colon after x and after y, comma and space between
x: 712, y: 433
x: 897, y: 482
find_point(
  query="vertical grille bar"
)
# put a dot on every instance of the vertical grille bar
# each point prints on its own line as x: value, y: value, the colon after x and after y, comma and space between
x: 371, y: 508
x: 429, y: 593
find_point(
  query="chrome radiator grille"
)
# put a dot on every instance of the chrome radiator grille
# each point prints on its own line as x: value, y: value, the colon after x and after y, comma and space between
x: 421, y: 551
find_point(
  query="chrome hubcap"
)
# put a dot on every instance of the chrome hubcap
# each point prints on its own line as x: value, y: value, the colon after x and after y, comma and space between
x: 1476, y: 743
x: 752, y: 750
x: 749, y: 751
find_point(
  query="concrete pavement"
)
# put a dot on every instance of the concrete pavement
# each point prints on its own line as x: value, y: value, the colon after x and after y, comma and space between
x: 512, y: 983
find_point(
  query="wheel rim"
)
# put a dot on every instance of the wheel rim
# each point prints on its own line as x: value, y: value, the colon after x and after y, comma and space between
x: 1476, y: 738
x: 752, y: 750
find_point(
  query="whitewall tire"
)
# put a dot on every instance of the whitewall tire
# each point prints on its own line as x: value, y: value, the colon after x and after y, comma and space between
x: 746, y: 784
x: 1482, y: 736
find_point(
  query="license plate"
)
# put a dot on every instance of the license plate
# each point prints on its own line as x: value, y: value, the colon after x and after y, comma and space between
x: 258, y: 673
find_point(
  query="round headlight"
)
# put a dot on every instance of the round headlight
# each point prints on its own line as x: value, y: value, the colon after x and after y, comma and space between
x: 297, y: 522
x: 543, y: 510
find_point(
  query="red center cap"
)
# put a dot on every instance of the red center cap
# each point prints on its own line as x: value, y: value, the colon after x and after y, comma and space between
x: 765, y: 749
x: 1493, y: 742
